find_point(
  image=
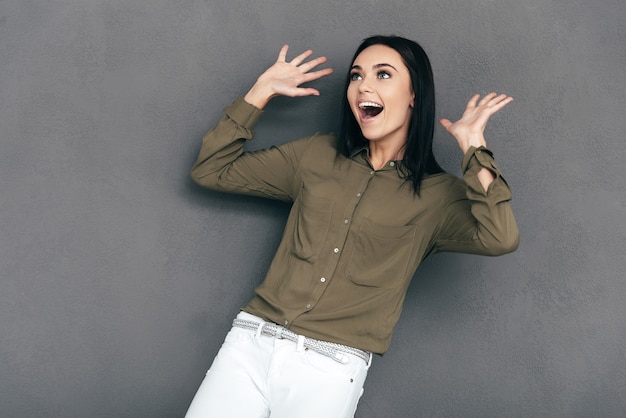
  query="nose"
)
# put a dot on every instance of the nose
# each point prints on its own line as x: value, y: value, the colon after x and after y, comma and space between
x: 365, y: 86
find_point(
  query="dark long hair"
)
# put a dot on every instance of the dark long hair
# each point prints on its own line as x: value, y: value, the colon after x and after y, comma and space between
x: 418, y: 159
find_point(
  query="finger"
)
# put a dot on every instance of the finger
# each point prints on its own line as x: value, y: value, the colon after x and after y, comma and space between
x: 308, y: 66
x: 472, y: 101
x: 496, y: 103
x: 496, y: 99
x: 445, y: 123
x: 300, y: 58
x: 501, y: 98
x: 282, y: 55
x: 306, y: 91
x: 485, y: 100
x: 316, y: 75
x: 501, y: 103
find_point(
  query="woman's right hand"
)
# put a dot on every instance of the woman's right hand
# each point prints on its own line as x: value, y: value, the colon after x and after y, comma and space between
x: 284, y: 78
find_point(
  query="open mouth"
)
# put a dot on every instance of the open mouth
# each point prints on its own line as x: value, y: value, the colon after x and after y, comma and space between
x: 369, y: 109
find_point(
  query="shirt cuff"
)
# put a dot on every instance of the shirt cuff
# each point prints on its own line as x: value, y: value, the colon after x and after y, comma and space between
x: 476, y: 158
x: 243, y: 113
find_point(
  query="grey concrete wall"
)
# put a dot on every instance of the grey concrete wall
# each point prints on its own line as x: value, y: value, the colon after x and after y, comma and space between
x: 119, y: 276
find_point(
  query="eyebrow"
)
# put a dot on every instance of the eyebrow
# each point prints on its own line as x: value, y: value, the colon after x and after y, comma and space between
x: 381, y: 65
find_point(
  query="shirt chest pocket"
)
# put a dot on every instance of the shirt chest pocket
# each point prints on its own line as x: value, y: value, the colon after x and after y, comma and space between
x: 381, y: 255
x: 311, y: 224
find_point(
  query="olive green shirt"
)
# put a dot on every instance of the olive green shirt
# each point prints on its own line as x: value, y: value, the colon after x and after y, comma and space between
x: 354, y: 236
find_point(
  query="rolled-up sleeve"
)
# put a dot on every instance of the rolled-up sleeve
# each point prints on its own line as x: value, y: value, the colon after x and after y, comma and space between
x: 223, y: 165
x: 476, y: 220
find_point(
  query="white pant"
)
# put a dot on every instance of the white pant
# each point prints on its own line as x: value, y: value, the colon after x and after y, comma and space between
x: 256, y: 375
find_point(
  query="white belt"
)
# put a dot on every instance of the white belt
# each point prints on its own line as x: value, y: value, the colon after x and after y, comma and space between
x: 328, y: 349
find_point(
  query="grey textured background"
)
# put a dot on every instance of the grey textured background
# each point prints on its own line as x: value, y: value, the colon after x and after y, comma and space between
x: 119, y: 276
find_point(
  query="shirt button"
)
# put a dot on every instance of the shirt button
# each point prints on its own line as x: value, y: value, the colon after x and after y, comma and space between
x: 392, y: 163
x: 358, y: 194
x: 478, y: 151
x: 372, y: 173
x: 286, y: 322
x: 308, y: 306
x: 323, y: 279
x: 336, y: 250
x: 345, y: 221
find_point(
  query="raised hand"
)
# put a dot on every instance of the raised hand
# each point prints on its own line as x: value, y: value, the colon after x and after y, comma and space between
x: 469, y: 130
x: 284, y: 78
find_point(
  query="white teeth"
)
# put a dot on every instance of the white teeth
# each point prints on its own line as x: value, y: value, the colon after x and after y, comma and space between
x: 368, y: 104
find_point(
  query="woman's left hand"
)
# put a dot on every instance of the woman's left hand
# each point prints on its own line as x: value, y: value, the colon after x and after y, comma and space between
x: 468, y: 131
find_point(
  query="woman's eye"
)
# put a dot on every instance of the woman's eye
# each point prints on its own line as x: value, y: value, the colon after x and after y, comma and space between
x: 355, y: 76
x: 384, y: 74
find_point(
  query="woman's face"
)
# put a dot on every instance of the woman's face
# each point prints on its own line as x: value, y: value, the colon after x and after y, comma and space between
x: 380, y: 95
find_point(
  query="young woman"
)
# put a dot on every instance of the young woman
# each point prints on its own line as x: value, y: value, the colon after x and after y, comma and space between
x: 367, y: 208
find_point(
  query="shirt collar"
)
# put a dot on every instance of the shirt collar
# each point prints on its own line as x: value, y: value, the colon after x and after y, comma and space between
x: 363, y: 152
x: 359, y: 150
